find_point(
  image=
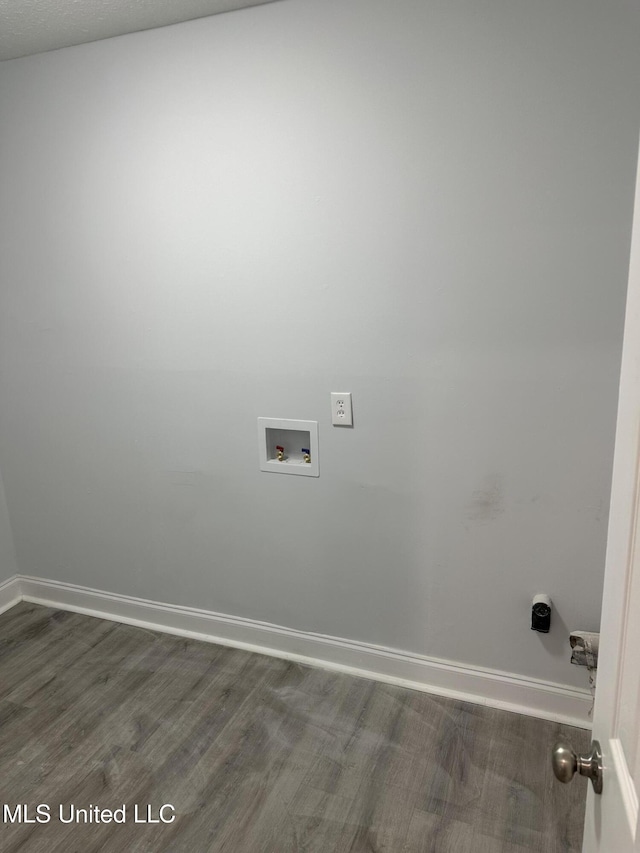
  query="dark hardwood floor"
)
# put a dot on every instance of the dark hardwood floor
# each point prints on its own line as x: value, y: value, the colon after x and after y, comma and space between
x: 256, y: 754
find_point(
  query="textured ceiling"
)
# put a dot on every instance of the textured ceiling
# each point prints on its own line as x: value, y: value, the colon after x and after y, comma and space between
x: 33, y: 26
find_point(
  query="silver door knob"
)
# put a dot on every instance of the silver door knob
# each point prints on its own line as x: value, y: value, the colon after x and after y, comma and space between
x: 565, y: 763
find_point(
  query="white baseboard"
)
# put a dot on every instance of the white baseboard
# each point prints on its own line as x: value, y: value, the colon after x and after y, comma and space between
x: 495, y: 689
x: 10, y: 593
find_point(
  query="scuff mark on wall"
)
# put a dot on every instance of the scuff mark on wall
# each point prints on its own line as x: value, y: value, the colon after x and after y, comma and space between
x: 487, y: 502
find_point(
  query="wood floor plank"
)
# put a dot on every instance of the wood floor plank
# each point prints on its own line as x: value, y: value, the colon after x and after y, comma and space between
x: 258, y: 755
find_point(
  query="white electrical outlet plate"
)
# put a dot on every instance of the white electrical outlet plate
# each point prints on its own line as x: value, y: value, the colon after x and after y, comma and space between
x: 341, y: 411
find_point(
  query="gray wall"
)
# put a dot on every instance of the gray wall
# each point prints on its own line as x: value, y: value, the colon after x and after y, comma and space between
x: 425, y: 203
x: 8, y: 566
